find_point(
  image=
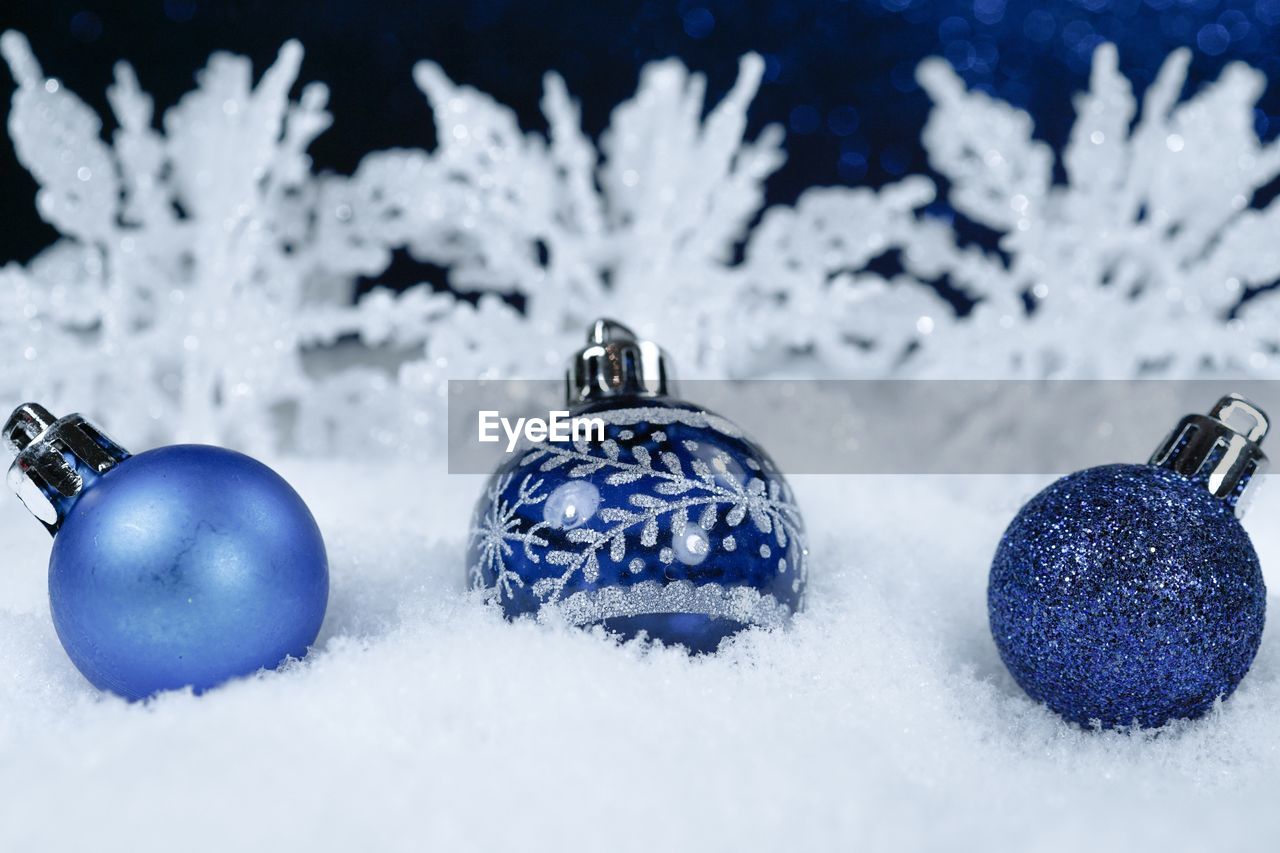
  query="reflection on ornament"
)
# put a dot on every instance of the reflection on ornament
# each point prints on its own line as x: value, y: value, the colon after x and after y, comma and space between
x: 690, y: 545
x: 571, y: 505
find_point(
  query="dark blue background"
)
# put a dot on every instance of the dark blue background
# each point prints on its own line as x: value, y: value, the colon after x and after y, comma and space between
x: 840, y: 74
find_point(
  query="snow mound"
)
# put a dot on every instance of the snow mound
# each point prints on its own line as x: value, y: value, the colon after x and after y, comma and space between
x: 881, y: 720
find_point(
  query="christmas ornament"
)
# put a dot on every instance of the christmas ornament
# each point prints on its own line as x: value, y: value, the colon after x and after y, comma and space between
x: 674, y: 525
x: 1130, y: 593
x: 181, y: 566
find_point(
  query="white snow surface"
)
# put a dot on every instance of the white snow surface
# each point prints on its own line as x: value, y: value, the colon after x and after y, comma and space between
x: 881, y: 720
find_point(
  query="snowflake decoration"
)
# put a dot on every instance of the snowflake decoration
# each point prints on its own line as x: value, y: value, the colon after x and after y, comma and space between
x: 195, y: 268
x: 1139, y: 262
x: 208, y: 276
x: 643, y: 228
x: 1146, y: 252
x: 500, y: 526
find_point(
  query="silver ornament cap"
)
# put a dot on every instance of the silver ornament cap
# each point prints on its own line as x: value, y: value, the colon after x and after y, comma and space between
x: 615, y: 363
x: 52, y: 458
x: 1222, y: 448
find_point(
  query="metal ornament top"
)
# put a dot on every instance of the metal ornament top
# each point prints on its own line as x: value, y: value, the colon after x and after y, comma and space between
x: 53, y: 458
x: 1222, y: 448
x: 615, y: 363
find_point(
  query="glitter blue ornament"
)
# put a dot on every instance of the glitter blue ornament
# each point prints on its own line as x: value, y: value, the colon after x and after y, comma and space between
x: 182, y: 566
x: 1131, y: 594
x: 675, y: 525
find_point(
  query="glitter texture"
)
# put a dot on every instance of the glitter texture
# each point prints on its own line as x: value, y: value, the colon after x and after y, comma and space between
x: 1125, y: 594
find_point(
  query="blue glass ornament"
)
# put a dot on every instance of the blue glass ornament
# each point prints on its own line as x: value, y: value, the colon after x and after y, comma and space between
x: 1131, y: 593
x: 675, y: 524
x: 181, y: 566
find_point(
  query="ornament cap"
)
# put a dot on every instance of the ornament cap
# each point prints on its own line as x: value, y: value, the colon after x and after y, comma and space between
x: 1222, y: 449
x: 54, y: 459
x: 615, y: 363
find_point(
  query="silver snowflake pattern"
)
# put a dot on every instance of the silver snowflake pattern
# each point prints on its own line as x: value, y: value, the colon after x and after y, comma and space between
x: 499, y: 528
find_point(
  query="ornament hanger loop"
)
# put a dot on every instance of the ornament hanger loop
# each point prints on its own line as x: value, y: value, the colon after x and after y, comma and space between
x: 615, y: 363
x: 1242, y: 417
x: 53, y: 458
x: 27, y: 423
x: 1222, y: 448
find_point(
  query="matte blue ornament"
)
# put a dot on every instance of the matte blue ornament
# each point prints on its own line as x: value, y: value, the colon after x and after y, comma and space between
x: 675, y: 524
x: 1131, y: 593
x: 181, y: 566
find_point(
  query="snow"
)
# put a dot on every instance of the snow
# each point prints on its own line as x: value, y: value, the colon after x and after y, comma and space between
x: 881, y: 720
